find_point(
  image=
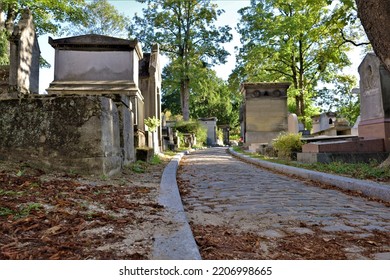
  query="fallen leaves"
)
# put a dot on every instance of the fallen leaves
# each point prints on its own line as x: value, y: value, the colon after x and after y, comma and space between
x: 55, y: 216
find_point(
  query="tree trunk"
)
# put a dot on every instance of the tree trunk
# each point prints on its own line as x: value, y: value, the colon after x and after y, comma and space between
x: 185, y: 98
x: 375, y: 18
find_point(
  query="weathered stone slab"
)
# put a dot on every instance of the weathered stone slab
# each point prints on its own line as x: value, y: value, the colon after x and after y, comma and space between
x: 64, y: 133
x: 264, y: 112
x: 374, y: 100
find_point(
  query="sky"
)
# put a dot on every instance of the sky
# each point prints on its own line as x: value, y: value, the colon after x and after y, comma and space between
x: 130, y: 7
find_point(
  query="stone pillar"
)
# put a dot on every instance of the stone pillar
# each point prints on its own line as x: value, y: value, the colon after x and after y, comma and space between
x: 24, y: 58
x: 374, y: 100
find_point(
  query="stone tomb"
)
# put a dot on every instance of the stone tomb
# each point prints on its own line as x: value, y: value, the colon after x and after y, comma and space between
x: 264, y: 112
x: 86, y: 122
x: 373, y: 140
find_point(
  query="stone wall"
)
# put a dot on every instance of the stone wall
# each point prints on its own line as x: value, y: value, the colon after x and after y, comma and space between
x: 82, y: 133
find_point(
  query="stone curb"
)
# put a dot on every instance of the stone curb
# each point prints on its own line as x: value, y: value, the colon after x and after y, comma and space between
x: 370, y: 189
x: 179, y: 244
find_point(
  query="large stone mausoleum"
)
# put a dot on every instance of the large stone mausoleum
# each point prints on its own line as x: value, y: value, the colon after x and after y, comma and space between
x: 264, y: 113
x: 92, y: 119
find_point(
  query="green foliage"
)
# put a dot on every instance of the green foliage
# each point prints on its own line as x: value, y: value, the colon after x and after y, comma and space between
x: 370, y: 170
x: 341, y: 98
x: 286, y: 144
x: 4, y: 59
x: 100, y: 18
x: 152, y: 123
x: 191, y: 42
x: 156, y: 160
x: 48, y: 15
x: 210, y: 96
x: 297, y: 41
x: 23, y: 211
x: 187, y: 126
x: 193, y: 127
x: 139, y: 166
x: 4, y: 211
x: 363, y: 171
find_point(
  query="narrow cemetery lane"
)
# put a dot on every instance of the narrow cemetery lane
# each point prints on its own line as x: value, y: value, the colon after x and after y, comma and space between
x: 239, y: 211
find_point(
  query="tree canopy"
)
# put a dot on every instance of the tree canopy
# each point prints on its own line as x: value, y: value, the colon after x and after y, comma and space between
x: 210, y: 97
x: 100, y: 17
x: 48, y: 15
x: 48, y: 18
x: 299, y: 41
x: 187, y: 34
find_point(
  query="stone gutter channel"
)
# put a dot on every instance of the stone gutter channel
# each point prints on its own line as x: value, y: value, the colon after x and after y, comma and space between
x: 180, y: 243
x: 368, y: 188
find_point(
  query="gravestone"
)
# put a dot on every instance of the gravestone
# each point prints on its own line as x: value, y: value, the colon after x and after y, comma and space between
x: 293, y: 124
x: 264, y: 112
x: 211, y: 125
x: 374, y: 100
x: 150, y: 85
x: 23, y: 77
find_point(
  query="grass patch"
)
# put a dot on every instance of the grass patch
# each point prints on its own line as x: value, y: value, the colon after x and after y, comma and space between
x: 363, y: 171
x: 23, y: 211
x: 155, y: 160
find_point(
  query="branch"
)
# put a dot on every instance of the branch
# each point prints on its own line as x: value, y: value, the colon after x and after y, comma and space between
x: 279, y: 71
x: 352, y: 42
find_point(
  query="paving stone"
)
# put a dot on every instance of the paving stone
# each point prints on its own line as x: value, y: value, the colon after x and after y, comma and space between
x: 250, y: 197
x: 301, y: 230
x: 382, y: 256
x: 272, y: 233
x: 339, y: 227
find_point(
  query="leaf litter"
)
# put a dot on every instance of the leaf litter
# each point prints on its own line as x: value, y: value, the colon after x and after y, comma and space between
x: 61, y: 216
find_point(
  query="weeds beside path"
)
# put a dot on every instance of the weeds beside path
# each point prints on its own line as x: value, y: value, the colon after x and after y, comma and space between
x: 363, y: 171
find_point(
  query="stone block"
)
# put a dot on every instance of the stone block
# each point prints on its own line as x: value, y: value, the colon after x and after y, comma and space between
x: 63, y: 133
x: 342, y: 157
x: 360, y: 146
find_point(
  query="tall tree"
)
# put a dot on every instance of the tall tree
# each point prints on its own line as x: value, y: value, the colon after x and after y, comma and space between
x: 186, y: 32
x: 48, y: 15
x: 100, y: 18
x: 297, y: 41
x: 48, y: 18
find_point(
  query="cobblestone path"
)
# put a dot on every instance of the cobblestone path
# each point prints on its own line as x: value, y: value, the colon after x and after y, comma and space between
x: 293, y: 219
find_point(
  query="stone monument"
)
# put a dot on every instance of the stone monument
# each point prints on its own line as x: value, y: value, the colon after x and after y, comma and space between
x: 211, y: 125
x: 150, y: 85
x: 374, y: 100
x: 264, y: 112
x: 23, y: 71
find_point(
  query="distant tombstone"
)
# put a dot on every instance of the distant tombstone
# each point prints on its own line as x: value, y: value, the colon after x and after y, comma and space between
x: 264, y: 112
x: 374, y: 100
x: 24, y: 57
x: 211, y: 125
x: 293, y: 125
